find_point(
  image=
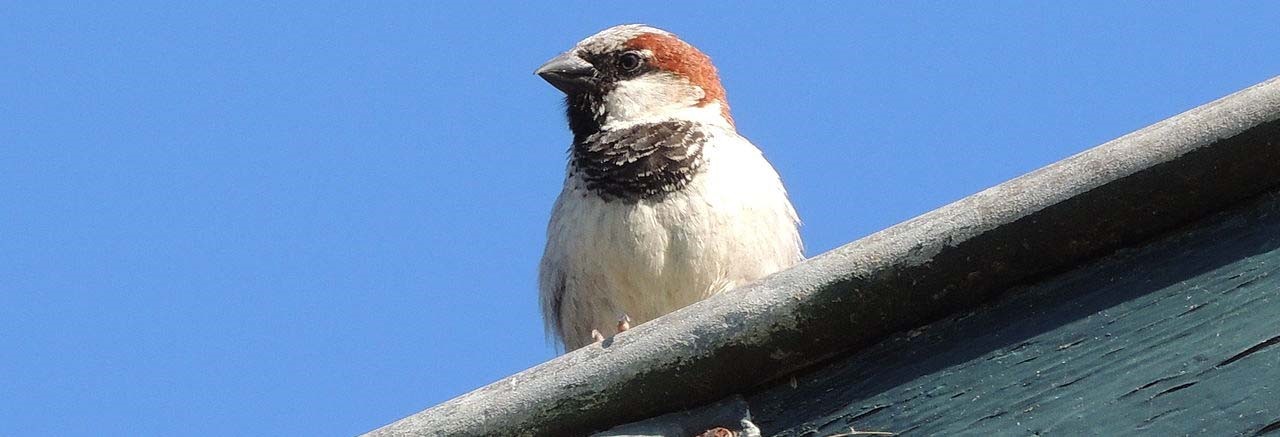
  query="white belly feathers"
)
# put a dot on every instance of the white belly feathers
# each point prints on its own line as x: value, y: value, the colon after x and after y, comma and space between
x: 730, y: 225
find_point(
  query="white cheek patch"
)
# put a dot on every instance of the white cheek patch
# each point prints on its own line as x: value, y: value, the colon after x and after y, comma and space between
x: 648, y: 97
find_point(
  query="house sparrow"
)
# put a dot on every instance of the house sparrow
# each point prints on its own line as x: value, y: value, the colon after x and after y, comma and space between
x: 664, y: 203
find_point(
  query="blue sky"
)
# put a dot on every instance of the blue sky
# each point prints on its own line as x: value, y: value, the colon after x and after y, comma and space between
x: 316, y: 218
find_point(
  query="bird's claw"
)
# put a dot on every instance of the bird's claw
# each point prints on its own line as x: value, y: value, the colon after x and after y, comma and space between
x: 624, y: 323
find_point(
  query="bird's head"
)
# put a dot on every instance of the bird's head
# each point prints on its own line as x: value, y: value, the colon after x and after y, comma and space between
x: 632, y: 74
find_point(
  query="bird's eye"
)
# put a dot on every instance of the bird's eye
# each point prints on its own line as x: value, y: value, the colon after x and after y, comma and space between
x: 629, y: 61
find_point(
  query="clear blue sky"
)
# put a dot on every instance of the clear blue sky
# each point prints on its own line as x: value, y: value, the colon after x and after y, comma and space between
x: 314, y: 219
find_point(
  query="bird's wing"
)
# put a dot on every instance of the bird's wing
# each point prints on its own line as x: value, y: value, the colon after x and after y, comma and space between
x: 552, y: 278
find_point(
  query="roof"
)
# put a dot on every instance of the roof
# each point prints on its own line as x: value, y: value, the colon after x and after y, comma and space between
x: 946, y: 262
x: 1177, y: 336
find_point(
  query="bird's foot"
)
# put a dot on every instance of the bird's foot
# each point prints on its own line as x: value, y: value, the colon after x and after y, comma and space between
x: 624, y: 322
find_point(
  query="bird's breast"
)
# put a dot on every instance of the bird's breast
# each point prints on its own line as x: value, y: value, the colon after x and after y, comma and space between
x: 730, y: 224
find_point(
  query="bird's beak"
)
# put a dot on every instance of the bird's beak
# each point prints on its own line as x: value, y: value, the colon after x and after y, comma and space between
x: 568, y: 73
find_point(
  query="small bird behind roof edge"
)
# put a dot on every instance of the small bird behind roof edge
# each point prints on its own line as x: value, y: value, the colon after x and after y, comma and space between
x: 664, y: 204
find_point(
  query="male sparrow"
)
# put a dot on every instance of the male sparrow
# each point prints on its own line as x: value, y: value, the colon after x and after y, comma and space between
x: 664, y: 203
